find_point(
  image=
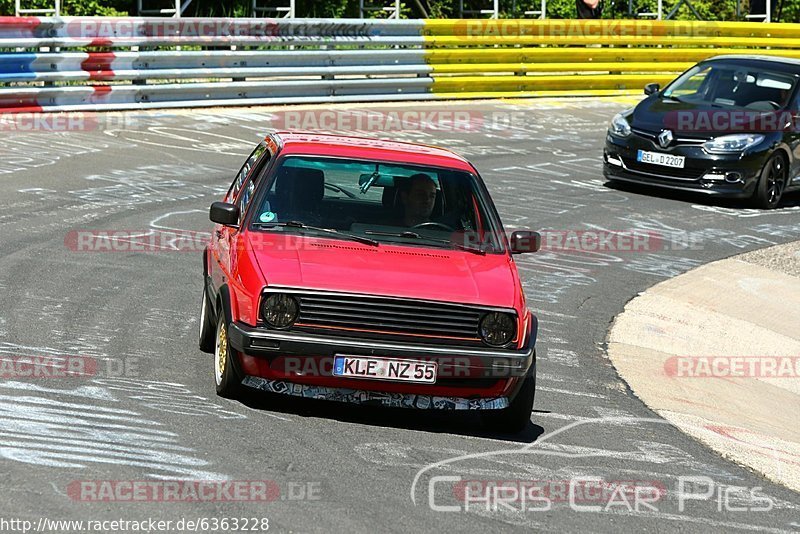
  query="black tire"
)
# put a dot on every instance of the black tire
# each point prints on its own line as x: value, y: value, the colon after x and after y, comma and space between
x: 226, y: 377
x: 613, y: 183
x: 516, y: 417
x: 772, y: 183
x: 208, y: 330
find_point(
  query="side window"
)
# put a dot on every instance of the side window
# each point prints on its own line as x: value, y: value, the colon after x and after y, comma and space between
x: 245, y: 171
x: 253, y: 174
x: 244, y: 199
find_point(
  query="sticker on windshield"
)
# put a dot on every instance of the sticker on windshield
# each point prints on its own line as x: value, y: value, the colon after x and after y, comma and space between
x: 267, y: 216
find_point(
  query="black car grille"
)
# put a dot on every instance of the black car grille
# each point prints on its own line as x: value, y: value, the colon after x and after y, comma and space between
x: 386, y: 317
x: 687, y: 173
x: 684, y: 140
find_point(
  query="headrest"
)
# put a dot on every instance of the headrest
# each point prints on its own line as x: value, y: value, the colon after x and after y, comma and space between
x: 389, y: 197
x: 300, y: 183
x: 391, y: 194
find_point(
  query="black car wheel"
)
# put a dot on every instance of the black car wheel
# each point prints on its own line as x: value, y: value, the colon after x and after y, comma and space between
x: 228, y: 382
x: 516, y: 417
x: 771, y: 183
x: 207, y: 330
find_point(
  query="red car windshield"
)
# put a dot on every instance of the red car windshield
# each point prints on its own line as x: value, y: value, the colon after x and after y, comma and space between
x: 385, y: 202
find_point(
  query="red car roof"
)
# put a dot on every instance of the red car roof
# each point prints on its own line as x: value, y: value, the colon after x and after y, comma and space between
x: 367, y: 148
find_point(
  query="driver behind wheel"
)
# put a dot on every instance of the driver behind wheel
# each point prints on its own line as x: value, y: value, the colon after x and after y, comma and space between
x: 417, y: 197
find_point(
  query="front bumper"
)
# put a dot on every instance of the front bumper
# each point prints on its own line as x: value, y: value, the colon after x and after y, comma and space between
x: 262, y: 342
x: 375, y: 398
x: 293, y: 362
x: 703, y: 173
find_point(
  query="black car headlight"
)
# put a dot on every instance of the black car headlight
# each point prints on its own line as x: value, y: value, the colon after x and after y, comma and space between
x: 619, y: 126
x: 497, y: 328
x: 279, y: 310
x: 728, y: 144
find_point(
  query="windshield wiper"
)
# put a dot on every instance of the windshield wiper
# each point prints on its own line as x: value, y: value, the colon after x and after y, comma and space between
x: 701, y: 102
x: 415, y: 235
x: 673, y: 98
x: 303, y: 226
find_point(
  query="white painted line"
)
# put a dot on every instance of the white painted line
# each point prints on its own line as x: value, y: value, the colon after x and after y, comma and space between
x: 568, y: 392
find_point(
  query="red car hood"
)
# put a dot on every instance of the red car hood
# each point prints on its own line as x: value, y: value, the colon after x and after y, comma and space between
x: 413, y: 272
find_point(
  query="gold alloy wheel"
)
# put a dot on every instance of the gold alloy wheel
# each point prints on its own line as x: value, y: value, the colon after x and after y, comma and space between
x: 221, y: 352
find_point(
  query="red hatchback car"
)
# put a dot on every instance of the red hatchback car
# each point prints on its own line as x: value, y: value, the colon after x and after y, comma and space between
x: 368, y: 271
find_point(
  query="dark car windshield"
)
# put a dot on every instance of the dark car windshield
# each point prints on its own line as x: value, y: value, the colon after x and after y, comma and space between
x: 385, y: 202
x: 733, y: 86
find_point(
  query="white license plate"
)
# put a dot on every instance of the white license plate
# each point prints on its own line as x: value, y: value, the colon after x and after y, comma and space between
x: 385, y: 369
x: 657, y: 158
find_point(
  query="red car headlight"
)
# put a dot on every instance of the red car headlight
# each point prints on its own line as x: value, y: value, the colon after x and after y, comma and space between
x: 279, y: 310
x: 498, y: 329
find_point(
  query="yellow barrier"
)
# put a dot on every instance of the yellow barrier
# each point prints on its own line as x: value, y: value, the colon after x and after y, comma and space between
x: 641, y: 29
x: 488, y: 68
x: 536, y: 94
x: 610, y: 40
x: 587, y: 55
x: 539, y: 83
x: 519, y: 58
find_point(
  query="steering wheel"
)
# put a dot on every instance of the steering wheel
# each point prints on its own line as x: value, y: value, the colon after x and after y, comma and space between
x: 774, y: 105
x: 433, y: 223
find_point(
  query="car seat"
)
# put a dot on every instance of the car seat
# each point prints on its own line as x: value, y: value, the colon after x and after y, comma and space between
x: 298, y: 194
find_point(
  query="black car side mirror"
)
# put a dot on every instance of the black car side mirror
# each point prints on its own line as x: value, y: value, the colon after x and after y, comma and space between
x: 651, y: 88
x: 523, y: 242
x: 224, y: 214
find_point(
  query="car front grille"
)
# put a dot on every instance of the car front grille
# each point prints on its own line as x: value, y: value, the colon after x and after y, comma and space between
x: 687, y: 173
x: 653, y: 137
x: 388, y: 317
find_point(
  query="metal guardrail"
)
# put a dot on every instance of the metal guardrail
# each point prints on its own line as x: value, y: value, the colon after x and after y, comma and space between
x: 76, y: 66
x: 156, y: 31
x: 62, y: 64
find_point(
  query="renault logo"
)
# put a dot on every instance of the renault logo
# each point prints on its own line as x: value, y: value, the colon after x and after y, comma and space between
x: 665, y: 138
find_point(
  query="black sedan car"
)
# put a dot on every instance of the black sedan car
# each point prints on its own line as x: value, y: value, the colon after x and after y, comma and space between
x: 729, y: 126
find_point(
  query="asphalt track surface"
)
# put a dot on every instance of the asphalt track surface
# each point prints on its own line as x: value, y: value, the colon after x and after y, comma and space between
x: 149, y: 412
